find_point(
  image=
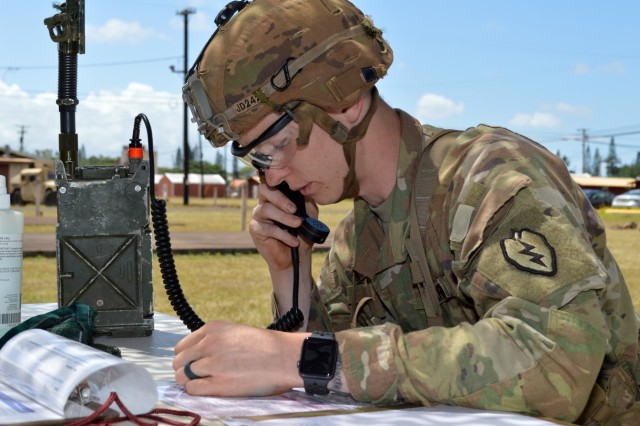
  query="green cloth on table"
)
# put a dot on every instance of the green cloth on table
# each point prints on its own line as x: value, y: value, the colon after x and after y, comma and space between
x: 75, y: 322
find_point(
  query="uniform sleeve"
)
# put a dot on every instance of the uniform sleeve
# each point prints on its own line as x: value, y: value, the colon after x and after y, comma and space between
x: 536, y: 283
x: 329, y: 298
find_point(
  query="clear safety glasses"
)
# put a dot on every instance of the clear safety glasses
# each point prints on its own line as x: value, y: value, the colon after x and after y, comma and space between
x: 273, y: 155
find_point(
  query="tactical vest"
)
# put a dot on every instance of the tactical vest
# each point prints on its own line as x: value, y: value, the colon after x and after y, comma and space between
x: 431, y: 293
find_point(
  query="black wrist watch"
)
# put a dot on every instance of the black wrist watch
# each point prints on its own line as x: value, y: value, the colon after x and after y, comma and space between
x: 317, y: 364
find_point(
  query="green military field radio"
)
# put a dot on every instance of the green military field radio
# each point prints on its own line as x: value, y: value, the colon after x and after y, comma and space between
x: 103, y: 235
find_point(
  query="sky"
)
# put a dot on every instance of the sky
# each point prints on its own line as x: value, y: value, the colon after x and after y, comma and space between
x: 546, y: 69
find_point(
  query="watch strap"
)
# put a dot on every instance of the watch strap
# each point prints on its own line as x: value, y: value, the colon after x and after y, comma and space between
x: 316, y: 386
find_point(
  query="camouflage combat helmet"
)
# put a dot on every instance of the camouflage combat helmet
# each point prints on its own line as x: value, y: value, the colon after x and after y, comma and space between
x: 277, y: 55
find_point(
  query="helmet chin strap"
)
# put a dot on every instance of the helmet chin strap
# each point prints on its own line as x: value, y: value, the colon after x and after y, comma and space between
x: 307, y: 114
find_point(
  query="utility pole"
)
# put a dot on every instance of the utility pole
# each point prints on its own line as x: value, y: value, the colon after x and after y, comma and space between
x: 21, y: 132
x: 185, y: 135
x: 587, y: 138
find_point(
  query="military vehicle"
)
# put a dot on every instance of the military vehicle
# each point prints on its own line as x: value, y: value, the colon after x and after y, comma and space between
x: 31, y: 184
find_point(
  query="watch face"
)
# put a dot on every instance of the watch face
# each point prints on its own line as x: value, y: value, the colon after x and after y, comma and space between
x: 318, y: 357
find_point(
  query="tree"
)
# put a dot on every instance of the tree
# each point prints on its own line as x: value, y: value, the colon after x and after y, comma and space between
x: 236, y: 175
x: 178, y: 163
x: 207, y: 168
x: 100, y: 161
x: 630, y: 170
x: 595, y: 164
x: 564, y: 158
x: 194, y: 153
x: 587, y: 160
x: 45, y: 153
x: 246, y: 172
x: 612, y: 159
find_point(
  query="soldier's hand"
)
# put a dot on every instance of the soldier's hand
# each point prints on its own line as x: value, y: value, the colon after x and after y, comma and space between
x: 236, y: 360
x: 272, y: 241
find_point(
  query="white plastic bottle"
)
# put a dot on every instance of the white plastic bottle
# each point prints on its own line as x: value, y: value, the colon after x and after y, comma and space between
x: 11, y: 231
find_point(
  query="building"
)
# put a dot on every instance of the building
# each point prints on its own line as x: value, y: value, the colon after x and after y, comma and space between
x: 200, y: 186
x: 251, y: 184
x: 616, y: 185
x: 12, y: 162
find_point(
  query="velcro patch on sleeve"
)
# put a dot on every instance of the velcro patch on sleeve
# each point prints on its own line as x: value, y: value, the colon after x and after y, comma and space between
x: 530, y: 251
x: 536, y: 251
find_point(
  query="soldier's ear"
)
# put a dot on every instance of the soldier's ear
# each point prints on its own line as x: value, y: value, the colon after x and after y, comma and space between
x: 353, y: 114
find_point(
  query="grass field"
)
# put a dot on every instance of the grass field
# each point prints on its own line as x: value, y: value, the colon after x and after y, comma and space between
x: 237, y: 287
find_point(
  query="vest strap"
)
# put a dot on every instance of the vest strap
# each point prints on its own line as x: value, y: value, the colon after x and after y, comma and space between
x: 425, y: 184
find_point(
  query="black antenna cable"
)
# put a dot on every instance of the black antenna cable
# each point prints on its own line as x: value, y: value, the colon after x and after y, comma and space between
x: 163, y: 239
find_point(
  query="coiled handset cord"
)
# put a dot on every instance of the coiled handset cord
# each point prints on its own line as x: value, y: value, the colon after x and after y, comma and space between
x: 312, y: 230
x: 163, y: 239
x: 292, y: 319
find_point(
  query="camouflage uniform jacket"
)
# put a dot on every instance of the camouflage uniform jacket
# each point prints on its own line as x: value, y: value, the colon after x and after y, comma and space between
x: 540, y: 312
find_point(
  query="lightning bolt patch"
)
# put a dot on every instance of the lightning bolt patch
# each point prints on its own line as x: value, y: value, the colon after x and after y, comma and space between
x: 529, y: 251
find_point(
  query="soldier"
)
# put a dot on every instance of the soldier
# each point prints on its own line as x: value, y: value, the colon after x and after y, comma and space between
x: 472, y: 271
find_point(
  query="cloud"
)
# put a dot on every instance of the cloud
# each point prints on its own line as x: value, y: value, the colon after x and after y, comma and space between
x: 199, y: 21
x: 581, y: 68
x: 493, y: 27
x: 400, y: 65
x: 437, y: 107
x: 537, y: 120
x: 202, y: 22
x: 565, y: 108
x: 549, y: 115
x: 614, y: 67
x: 104, y: 120
x: 117, y: 30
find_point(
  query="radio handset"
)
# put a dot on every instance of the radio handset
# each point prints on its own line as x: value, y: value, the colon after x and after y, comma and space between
x: 311, y: 229
x: 314, y: 231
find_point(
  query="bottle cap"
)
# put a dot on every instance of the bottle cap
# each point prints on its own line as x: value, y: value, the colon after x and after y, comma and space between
x: 5, y: 199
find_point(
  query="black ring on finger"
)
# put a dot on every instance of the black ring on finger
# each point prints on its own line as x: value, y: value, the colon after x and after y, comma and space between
x: 190, y: 374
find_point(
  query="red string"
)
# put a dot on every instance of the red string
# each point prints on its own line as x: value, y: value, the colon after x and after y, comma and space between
x: 93, y: 419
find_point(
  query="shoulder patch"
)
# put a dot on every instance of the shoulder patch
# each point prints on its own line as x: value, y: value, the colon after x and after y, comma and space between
x: 530, y: 251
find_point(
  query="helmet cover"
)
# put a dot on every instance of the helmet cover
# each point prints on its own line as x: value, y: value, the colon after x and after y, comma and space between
x: 273, y: 52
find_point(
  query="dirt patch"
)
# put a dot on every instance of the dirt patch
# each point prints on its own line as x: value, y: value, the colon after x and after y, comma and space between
x: 40, y: 220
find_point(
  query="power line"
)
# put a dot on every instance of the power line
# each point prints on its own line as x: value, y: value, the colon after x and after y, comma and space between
x: 95, y: 65
x: 591, y: 142
x: 617, y: 145
x: 637, y: 132
x: 633, y: 127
